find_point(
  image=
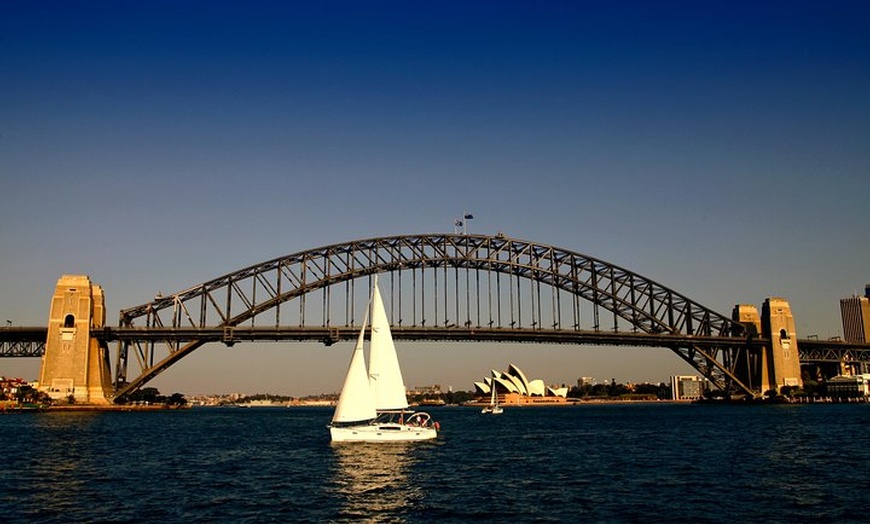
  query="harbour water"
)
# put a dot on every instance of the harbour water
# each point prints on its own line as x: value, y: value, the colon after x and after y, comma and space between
x: 603, y: 463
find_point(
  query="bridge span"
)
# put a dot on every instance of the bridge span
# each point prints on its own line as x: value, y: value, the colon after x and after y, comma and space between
x: 451, y: 287
x: 30, y: 341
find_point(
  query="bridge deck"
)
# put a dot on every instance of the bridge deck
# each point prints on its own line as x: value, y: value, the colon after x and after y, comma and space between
x: 30, y: 341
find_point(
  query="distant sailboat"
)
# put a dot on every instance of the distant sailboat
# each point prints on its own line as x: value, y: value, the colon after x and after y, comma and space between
x: 493, y: 406
x: 372, y: 406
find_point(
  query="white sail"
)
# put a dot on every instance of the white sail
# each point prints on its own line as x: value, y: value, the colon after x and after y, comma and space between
x: 355, y: 403
x: 493, y: 406
x: 359, y: 415
x: 385, y: 375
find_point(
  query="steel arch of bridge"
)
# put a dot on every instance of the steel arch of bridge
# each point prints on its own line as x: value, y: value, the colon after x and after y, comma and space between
x: 568, y: 279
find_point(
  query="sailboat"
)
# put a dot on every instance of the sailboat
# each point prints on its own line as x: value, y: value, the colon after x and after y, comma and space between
x: 372, y: 406
x: 493, y: 406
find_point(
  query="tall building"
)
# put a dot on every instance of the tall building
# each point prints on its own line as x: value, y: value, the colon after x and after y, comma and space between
x: 855, y: 312
x: 686, y: 387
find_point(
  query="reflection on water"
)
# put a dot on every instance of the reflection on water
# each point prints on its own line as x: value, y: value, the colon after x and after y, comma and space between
x: 371, y: 481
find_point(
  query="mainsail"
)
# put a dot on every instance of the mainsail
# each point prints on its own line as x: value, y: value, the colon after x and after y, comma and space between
x: 385, y: 375
x: 355, y: 404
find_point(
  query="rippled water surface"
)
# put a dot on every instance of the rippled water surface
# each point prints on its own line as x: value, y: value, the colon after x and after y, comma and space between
x: 609, y: 463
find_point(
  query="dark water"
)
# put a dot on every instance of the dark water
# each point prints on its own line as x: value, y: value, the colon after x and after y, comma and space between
x: 615, y: 463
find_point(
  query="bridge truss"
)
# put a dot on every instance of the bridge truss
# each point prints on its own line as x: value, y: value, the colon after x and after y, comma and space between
x: 22, y: 341
x: 438, y: 286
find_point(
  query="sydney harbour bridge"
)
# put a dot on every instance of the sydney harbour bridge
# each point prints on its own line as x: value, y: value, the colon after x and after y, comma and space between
x: 440, y: 287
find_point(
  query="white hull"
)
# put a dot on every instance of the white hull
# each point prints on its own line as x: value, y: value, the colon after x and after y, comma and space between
x: 495, y: 410
x: 389, y: 432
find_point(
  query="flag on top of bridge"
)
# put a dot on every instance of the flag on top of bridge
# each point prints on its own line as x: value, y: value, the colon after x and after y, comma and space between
x: 468, y: 216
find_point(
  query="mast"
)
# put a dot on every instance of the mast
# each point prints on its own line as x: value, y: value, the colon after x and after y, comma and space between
x: 492, y: 400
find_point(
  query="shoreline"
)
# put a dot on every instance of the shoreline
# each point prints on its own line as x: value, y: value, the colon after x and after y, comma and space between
x: 110, y: 407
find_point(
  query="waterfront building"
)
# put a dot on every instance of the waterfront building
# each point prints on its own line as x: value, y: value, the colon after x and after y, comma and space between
x: 434, y: 389
x: 855, y: 312
x: 848, y: 386
x: 10, y: 386
x: 686, y: 387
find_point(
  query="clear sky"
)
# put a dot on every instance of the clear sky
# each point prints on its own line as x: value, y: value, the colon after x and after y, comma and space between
x: 721, y: 148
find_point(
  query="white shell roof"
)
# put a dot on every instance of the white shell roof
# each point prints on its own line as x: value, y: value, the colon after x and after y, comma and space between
x: 507, y: 385
x: 558, y: 392
x: 517, y: 372
x: 537, y: 387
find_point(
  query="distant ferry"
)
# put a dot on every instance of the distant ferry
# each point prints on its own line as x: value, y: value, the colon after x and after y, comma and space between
x: 262, y: 404
x: 13, y: 407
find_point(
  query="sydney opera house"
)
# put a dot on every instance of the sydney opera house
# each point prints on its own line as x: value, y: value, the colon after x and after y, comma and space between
x: 512, y: 387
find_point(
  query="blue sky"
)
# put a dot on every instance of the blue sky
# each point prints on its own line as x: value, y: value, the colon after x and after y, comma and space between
x: 720, y: 148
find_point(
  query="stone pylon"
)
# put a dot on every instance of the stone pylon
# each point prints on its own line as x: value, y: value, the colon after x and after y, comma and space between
x: 75, y: 365
x: 777, y: 324
x: 774, y: 367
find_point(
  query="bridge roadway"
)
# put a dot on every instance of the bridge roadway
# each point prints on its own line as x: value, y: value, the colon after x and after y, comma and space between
x: 30, y: 341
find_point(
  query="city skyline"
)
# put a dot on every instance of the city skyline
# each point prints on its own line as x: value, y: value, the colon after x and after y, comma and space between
x: 717, y: 149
